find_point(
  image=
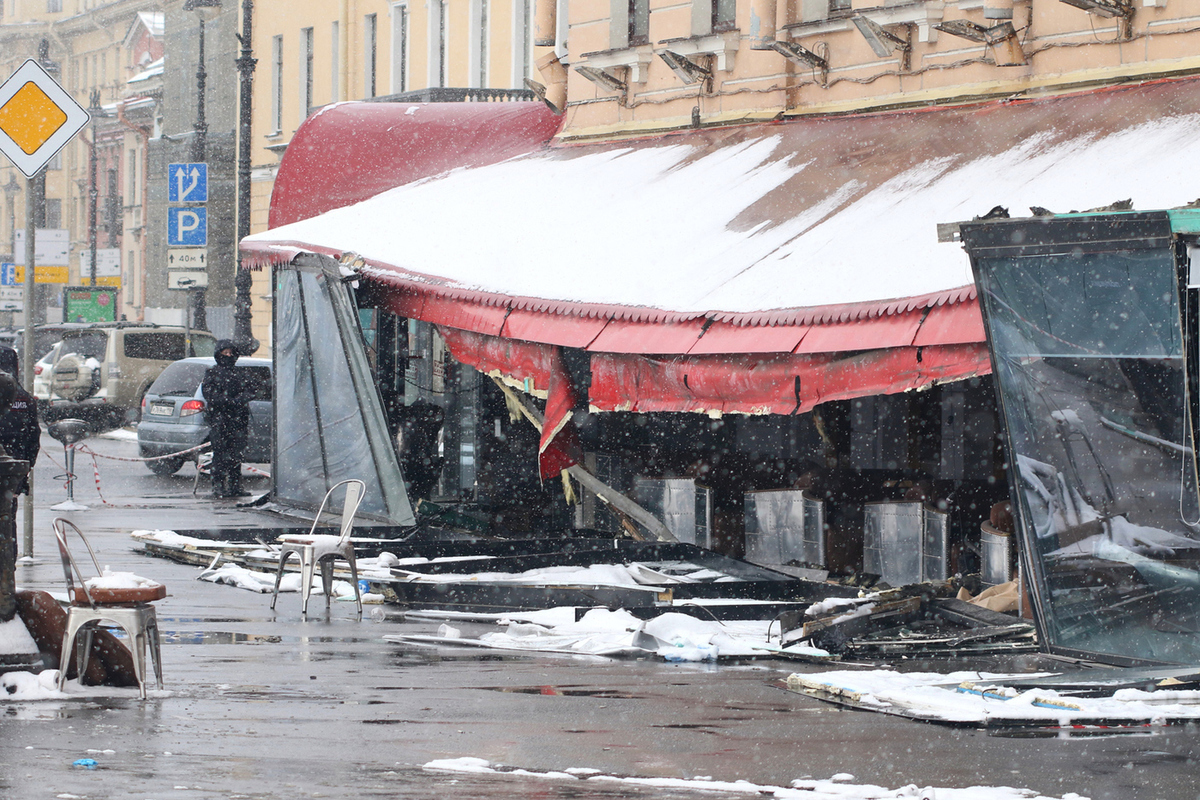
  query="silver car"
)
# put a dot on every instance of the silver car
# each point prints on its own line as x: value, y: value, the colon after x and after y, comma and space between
x: 173, y: 417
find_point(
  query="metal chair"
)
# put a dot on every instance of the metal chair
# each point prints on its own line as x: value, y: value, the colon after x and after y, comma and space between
x: 203, y: 467
x: 128, y: 607
x: 324, y: 549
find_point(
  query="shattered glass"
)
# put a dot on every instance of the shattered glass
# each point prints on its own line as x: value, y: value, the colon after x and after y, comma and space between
x: 1090, y: 363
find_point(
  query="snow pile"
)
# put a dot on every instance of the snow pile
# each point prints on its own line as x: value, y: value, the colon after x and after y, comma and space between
x: 27, y: 686
x: 982, y: 698
x: 600, y: 632
x: 835, y: 788
x: 120, y: 580
x: 15, y: 638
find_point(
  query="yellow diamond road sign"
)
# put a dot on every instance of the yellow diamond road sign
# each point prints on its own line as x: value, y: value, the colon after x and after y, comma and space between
x: 37, y: 117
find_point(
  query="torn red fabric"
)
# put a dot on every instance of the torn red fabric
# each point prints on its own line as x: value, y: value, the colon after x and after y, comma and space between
x: 775, y: 383
x: 559, y: 447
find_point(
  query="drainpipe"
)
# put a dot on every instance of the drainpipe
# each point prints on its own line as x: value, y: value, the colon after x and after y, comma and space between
x: 998, y: 10
x: 143, y: 132
x: 555, y: 75
x: 545, y: 23
x: 762, y: 24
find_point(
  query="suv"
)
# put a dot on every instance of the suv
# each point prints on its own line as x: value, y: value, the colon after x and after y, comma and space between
x: 173, y: 416
x: 103, y: 370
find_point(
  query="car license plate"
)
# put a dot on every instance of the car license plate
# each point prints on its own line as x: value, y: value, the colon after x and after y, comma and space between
x: 162, y: 410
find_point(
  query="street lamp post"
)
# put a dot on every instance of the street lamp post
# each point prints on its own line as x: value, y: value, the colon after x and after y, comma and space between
x: 206, y: 10
x: 93, y: 191
x: 243, y: 281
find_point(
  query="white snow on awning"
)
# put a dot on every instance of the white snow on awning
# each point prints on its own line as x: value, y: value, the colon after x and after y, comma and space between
x: 766, y: 217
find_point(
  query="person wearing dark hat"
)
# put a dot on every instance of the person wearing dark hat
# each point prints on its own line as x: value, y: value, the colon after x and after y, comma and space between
x: 226, y: 395
x: 19, y: 432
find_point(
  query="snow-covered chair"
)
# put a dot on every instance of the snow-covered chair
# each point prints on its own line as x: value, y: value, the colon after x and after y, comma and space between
x: 324, y: 549
x: 123, y: 599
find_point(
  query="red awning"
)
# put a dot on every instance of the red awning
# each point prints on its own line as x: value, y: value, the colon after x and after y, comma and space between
x: 348, y: 152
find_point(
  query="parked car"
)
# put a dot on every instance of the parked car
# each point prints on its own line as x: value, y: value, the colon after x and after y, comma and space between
x: 42, y: 368
x: 173, y: 415
x: 103, y: 370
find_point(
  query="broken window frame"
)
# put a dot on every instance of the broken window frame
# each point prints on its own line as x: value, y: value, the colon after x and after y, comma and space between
x: 1076, y: 236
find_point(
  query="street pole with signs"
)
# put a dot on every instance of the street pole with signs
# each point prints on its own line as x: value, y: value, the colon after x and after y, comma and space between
x: 37, y: 119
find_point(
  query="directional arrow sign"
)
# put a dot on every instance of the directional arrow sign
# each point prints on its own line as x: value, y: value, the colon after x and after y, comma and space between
x: 188, y: 258
x: 187, y: 183
x: 187, y: 227
x: 37, y: 117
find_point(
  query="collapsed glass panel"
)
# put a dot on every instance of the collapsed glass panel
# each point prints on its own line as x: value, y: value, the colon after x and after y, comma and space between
x: 1089, y: 362
x: 329, y: 419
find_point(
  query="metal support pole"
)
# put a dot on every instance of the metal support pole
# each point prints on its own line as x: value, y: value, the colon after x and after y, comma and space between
x: 243, y: 281
x: 93, y: 189
x: 199, y: 154
x: 27, y: 354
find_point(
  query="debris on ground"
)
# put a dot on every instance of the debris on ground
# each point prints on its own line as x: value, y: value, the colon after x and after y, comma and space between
x: 990, y: 700
x: 600, y: 632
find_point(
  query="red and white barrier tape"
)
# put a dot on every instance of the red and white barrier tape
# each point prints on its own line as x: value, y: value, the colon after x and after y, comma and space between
x: 82, y: 448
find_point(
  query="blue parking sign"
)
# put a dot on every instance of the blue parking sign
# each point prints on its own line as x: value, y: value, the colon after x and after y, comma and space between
x: 187, y: 227
x: 187, y: 183
x: 8, y: 274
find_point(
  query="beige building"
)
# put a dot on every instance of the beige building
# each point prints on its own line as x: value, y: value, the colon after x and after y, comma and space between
x: 109, y: 53
x: 762, y: 59
x: 313, y: 53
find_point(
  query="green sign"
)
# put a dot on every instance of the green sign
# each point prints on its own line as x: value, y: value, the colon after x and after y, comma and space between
x: 91, y: 304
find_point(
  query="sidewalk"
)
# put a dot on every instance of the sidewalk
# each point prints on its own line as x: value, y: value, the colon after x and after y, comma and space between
x: 259, y: 704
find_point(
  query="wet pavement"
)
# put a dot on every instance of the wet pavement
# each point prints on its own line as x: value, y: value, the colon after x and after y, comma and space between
x: 260, y: 704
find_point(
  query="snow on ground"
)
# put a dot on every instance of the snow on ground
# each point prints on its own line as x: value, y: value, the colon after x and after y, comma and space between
x: 264, y: 582
x: 673, y: 636
x: 120, y: 434
x: 27, y: 686
x: 982, y: 698
x: 838, y: 787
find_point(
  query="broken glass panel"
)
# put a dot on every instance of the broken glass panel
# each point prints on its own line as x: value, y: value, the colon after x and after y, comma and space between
x: 1089, y: 360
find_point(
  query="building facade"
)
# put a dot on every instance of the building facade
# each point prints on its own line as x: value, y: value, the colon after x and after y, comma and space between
x: 311, y: 54
x: 646, y: 65
x: 106, y: 56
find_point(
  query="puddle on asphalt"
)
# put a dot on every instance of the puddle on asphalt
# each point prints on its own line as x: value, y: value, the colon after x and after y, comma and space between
x: 564, y: 691
x: 217, y: 637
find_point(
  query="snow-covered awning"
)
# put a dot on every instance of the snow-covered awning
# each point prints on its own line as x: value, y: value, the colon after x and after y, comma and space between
x: 803, y: 239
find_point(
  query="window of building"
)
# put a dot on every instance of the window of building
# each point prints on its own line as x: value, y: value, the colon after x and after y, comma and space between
x: 639, y: 22
x: 53, y: 213
x: 399, y: 48
x: 306, y: 72
x: 370, y: 54
x: 437, y: 42
x: 276, y: 84
x: 335, y: 61
x: 55, y: 161
x: 723, y: 13
x: 131, y: 177
x: 522, y: 43
x: 839, y: 5
x: 479, y: 44
x: 53, y: 6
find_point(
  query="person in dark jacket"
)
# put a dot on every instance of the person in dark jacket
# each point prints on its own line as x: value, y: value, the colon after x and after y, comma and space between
x: 19, y: 431
x: 226, y: 395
